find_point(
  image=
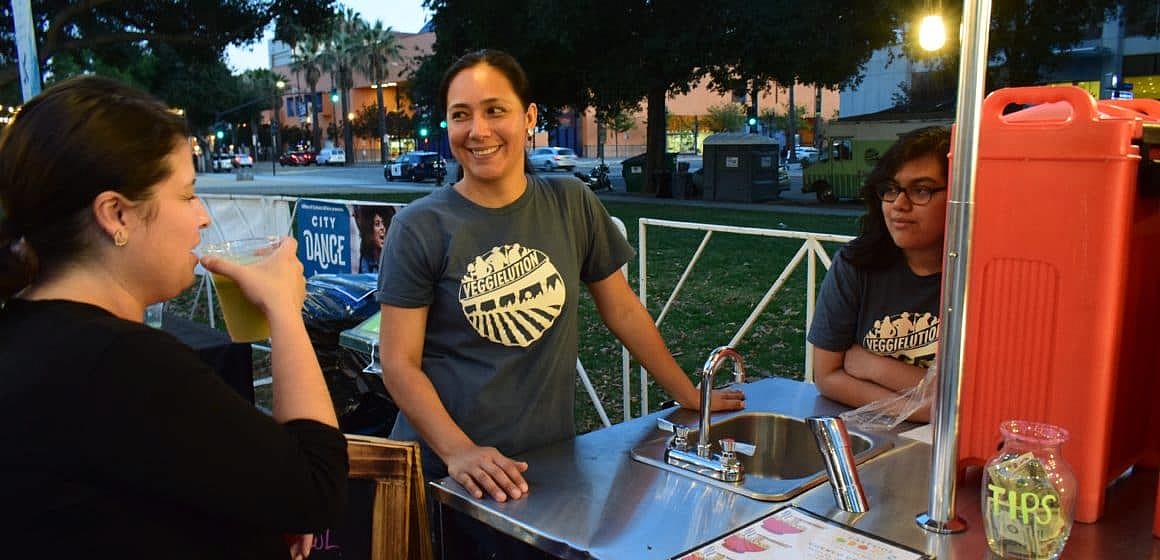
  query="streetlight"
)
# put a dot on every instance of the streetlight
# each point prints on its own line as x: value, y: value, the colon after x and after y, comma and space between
x: 275, y: 125
x: 932, y: 33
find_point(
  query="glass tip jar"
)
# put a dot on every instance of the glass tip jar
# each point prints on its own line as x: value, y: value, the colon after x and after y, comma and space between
x: 1028, y: 493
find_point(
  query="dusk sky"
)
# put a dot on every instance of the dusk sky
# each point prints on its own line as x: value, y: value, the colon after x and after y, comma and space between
x: 402, y: 15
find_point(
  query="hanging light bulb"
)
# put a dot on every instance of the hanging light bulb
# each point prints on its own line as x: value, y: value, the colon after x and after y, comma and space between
x: 932, y: 33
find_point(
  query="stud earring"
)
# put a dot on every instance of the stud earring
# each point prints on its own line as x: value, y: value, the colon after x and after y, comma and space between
x: 120, y: 238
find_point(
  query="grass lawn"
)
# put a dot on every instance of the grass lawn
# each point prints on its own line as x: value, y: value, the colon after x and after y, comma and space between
x: 732, y: 275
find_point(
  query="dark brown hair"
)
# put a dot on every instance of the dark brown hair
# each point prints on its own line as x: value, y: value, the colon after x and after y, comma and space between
x: 507, y: 65
x: 502, y: 61
x: 874, y: 248
x: 72, y: 142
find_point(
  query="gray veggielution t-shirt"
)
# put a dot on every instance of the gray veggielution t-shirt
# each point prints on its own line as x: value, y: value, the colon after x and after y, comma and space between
x: 502, y: 286
x: 890, y: 312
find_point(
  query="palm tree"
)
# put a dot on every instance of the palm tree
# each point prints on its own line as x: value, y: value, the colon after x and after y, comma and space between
x: 379, y: 48
x: 339, y: 57
x: 307, y: 60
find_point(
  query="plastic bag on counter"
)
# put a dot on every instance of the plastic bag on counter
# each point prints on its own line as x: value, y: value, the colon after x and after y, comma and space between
x: 886, y: 414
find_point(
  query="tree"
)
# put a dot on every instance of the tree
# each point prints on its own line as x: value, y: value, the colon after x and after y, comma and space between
x: 662, y: 48
x: 339, y: 57
x: 741, y: 60
x: 1023, y: 45
x: 617, y: 121
x: 727, y: 117
x: 306, y: 60
x: 294, y: 136
x: 116, y: 32
x: 658, y: 52
x: 379, y: 48
x: 777, y: 120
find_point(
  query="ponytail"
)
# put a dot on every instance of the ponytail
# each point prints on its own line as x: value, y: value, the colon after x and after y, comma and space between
x: 17, y: 262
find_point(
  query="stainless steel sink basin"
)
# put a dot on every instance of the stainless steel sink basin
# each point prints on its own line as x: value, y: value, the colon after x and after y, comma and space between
x: 785, y: 464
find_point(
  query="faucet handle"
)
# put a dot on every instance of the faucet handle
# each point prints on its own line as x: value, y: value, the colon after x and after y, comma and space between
x: 680, y: 439
x: 732, y: 469
x: 730, y: 445
x: 745, y: 448
x: 727, y: 445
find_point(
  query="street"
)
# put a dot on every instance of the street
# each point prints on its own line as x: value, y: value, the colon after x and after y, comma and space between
x: 368, y: 178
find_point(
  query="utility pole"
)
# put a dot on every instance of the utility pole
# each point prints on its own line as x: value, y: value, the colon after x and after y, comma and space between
x: 696, y: 134
x: 753, y: 107
x: 29, y: 63
x: 275, y: 124
x: 818, y: 117
x: 792, y: 133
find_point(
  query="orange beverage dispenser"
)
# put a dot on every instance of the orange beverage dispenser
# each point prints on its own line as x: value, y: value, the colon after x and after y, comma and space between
x: 1064, y: 298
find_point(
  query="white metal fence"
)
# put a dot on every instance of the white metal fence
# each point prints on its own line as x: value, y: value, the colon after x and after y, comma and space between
x: 810, y: 251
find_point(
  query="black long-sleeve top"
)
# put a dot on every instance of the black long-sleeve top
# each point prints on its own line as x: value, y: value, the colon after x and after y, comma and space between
x: 115, y: 440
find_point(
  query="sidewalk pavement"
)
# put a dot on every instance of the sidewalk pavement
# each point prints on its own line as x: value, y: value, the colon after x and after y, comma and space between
x: 851, y: 209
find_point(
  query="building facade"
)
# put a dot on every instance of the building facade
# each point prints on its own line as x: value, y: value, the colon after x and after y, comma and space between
x: 1118, y: 58
x: 579, y: 132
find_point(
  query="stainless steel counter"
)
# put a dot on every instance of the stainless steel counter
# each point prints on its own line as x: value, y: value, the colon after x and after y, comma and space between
x: 589, y: 499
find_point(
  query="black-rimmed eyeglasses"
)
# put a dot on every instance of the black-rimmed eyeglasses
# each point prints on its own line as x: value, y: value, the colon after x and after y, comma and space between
x: 888, y: 191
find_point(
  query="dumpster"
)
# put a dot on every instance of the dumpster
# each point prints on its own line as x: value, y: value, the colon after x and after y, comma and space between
x: 1063, y: 274
x: 741, y: 167
x: 632, y: 169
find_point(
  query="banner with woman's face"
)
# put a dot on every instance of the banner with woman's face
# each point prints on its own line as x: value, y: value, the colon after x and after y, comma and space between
x: 339, y: 238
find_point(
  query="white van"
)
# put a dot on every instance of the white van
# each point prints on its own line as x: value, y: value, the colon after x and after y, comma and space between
x: 331, y: 156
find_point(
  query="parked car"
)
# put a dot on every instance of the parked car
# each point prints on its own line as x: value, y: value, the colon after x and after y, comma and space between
x: 330, y: 156
x: 552, y: 158
x: 297, y: 158
x: 221, y: 162
x: 806, y: 153
x: 416, y: 167
x: 242, y: 160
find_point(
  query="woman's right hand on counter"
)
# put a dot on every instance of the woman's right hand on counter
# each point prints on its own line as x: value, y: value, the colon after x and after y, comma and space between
x: 485, y: 469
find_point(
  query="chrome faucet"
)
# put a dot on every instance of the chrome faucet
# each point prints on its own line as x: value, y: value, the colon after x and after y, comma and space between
x: 725, y: 467
x: 834, y: 444
x: 716, y: 359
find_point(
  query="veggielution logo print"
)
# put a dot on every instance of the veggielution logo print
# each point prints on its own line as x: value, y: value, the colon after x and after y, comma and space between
x: 512, y: 294
x: 910, y: 337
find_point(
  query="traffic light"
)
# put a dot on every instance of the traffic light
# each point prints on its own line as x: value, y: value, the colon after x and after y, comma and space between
x: 334, y: 96
x: 443, y: 124
x: 423, y: 132
x: 752, y: 121
x: 220, y: 134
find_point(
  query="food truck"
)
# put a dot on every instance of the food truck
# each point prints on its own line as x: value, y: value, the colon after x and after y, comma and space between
x: 851, y: 149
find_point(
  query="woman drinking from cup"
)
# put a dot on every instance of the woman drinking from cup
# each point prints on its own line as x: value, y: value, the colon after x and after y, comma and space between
x: 876, y: 327
x: 117, y: 439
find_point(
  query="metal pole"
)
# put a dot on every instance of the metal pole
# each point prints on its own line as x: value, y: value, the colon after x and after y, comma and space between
x: 26, y: 48
x: 792, y: 125
x: 940, y: 515
x: 274, y: 135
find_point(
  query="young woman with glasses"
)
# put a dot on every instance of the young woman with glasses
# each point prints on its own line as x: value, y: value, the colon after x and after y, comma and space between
x: 875, y: 330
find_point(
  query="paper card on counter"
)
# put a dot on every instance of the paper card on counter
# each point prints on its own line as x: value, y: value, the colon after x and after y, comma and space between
x: 792, y: 533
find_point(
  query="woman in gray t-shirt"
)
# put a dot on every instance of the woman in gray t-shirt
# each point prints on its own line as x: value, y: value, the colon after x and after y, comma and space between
x: 875, y: 330
x: 479, y: 287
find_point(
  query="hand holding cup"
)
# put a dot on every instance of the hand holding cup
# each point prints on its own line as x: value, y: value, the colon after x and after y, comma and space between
x: 256, y: 278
